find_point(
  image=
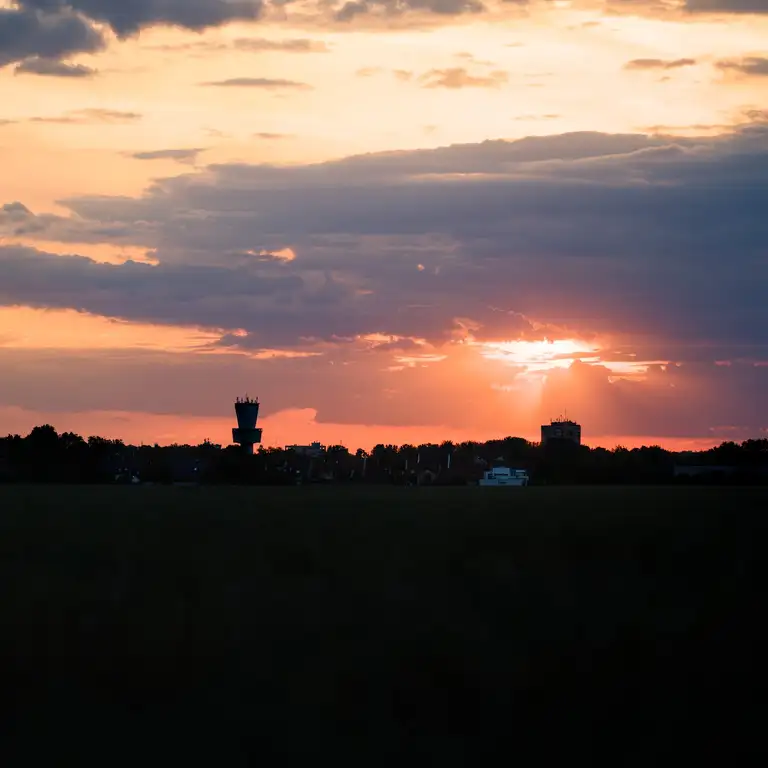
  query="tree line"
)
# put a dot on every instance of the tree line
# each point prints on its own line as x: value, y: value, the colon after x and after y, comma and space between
x: 44, y: 455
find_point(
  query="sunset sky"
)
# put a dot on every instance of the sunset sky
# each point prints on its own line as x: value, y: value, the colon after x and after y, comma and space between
x: 390, y: 220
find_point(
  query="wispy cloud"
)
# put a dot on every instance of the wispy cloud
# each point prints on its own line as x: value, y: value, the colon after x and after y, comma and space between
x: 753, y: 66
x: 268, y: 83
x: 291, y: 45
x: 537, y: 117
x: 85, y: 116
x: 458, y: 77
x: 179, y: 155
x: 659, y: 63
x: 472, y: 59
x: 352, y: 9
x: 249, y: 44
x: 53, y: 68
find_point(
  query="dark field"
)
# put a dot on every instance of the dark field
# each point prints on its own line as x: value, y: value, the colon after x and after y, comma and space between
x: 449, y: 625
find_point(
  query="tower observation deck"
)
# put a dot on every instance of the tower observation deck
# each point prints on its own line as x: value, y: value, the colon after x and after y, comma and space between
x: 246, y: 433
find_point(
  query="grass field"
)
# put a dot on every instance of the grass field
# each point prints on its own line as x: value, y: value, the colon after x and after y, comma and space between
x: 451, y: 625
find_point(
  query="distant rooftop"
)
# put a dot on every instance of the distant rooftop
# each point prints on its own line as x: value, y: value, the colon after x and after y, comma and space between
x: 247, y: 400
x: 563, y: 419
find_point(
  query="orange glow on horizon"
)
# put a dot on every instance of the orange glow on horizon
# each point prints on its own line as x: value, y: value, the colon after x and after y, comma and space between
x: 297, y: 426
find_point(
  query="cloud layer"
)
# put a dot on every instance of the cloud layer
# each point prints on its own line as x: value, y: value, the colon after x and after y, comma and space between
x: 56, y: 29
x: 410, y: 287
x: 25, y: 33
x: 749, y: 65
x: 53, y: 68
x: 126, y: 17
x: 599, y: 233
x: 727, y: 6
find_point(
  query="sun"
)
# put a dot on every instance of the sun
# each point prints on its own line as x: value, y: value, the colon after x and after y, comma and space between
x: 538, y: 357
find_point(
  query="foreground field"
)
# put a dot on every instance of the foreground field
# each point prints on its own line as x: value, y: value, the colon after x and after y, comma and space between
x: 230, y: 625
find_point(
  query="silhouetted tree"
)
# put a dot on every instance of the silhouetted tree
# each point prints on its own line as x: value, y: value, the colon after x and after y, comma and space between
x: 45, y: 456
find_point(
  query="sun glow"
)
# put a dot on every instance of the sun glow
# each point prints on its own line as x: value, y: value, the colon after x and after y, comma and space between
x: 540, y: 356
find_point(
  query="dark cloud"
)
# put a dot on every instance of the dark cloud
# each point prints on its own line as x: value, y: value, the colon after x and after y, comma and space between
x: 611, y: 234
x: 53, y: 68
x: 658, y: 242
x: 15, y: 211
x: 354, y: 8
x: 24, y: 33
x: 659, y: 63
x: 55, y: 29
x: 750, y: 65
x: 179, y: 155
x: 727, y: 6
x: 458, y: 77
x: 695, y: 399
x: 110, y: 290
x: 685, y: 10
x: 126, y: 17
x: 268, y: 83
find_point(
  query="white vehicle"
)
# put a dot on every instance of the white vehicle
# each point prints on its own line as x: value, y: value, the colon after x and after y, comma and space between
x: 504, y: 476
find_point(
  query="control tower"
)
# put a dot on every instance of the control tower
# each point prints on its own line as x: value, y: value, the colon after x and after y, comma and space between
x: 246, y: 433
